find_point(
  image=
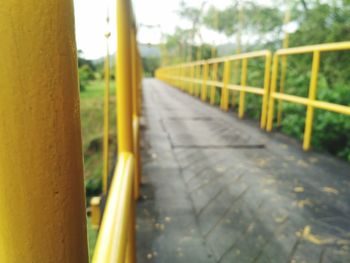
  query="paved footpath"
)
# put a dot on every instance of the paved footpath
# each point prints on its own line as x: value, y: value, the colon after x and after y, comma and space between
x: 218, y: 189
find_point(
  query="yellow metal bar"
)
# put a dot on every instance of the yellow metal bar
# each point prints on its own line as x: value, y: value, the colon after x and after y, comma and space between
x: 243, y: 84
x: 213, y: 87
x: 204, y: 83
x: 331, y: 107
x: 290, y: 98
x: 42, y: 203
x: 312, y: 97
x: 95, y: 203
x: 135, y: 112
x: 131, y: 242
x: 224, y: 92
x: 235, y: 80
x: 124, y: 78
x: 198, y: 78
x: 272, y: 91
x: 217, y: 84
x: 254, y: 54
x: 192, y: 72
x: 265, y: 99
x: 111, y: 243
x: 309, y: 49
x: 254, y: 90
x: 106, y: 120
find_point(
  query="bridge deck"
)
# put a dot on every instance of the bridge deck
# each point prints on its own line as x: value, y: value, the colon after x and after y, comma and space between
x: 218, y: 189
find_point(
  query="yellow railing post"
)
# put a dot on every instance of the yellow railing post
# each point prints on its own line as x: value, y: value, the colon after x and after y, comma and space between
x: 198, y: 77
x: 271, y: 104
x: 225, y: 93
x: 106, y: 119
x: 266, y: 91
x: 243, y: 84
x: 192, y: 84
x: 235, y: 81
x: 116, y: 239
x: 204, y: 83
x: 213, y: 87
x: 135, y: 111
x: 42, y: 197
x: 312, y: 97
x: 124, y: 78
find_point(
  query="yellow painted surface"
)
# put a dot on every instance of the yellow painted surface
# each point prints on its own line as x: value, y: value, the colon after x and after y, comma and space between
x: 124, y: 77
x: 111, y: 243
x: 170, y: 74
x: 95, y: 211
x: 204, y: 84
x: 213, y: 87
x: 224, y: 93
x: 243, y: 84
x: 42, y: 203
x: 311, y: 101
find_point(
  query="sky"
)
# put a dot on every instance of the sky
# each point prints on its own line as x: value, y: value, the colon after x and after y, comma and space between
x: 90, y: 22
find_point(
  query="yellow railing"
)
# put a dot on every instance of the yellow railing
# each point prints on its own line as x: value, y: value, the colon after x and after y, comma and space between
x: 311, y: 102
x: 116, y: 238
x: 187, y: 76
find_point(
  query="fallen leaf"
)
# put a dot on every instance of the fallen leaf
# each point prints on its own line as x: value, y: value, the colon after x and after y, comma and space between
x: 330, y: 190
x: 299, y: 189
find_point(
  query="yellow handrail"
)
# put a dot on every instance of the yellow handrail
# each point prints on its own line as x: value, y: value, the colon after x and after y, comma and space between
x: 311, y: 101
x: 112, y: 239
x: 116, y: 238
x: 171, y: 75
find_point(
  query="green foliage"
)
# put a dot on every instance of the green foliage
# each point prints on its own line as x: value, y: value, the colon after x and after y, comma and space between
x: 150, y: 64
x: 86, y: 71
x: 91, y: 114
x: 86, y: 74
x: 317, y: 22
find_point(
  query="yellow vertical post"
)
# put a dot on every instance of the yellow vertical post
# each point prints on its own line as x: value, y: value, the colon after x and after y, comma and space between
x: 266, y: 91
x: 125, y: 93
x: 135, y: 112
x: 106, y: 119
x: 224, y: 93
x: 204, y: 83
x: 271, y: 104
x: 192, y: 72
x: 42, y: 198
x: 198, y: 78
x: 283, y: 67
x: 198, y: 72
x: 95, y: 203
x: 213, y: 87
x: 235, y: 80
x: 124, y: 78
x: 243, y: 84
x: 312, y: 97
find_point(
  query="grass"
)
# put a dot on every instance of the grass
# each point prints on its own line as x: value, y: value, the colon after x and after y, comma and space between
x: 91, y: 113
x: 92, y: 237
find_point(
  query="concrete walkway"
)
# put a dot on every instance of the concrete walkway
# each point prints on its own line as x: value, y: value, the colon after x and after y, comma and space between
x: 218, y: 189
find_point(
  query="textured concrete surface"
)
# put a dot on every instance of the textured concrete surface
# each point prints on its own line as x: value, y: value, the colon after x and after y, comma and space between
x: 218, y: 189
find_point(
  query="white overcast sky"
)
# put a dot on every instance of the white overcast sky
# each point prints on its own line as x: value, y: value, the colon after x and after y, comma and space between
x: 91, y: 23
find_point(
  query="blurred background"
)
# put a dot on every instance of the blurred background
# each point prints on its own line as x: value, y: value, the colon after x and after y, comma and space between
x: 176, y: 31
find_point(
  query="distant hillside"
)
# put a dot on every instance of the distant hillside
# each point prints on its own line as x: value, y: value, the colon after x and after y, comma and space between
x: 149, y: 50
